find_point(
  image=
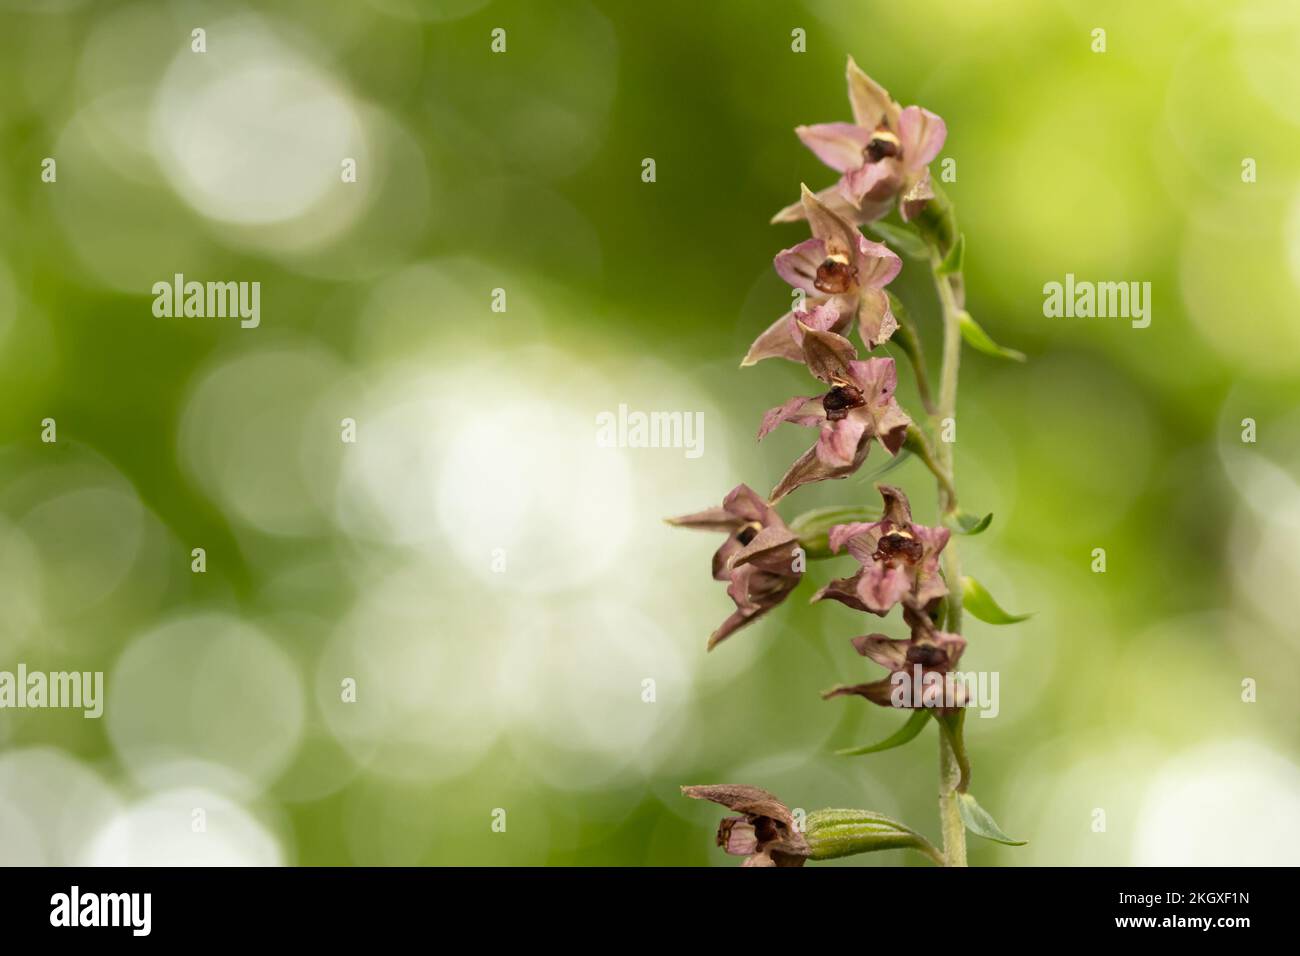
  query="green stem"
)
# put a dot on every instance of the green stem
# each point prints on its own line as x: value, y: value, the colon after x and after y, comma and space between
x: 919, y: 445
x: 951, y: 774
x: 910, y: 343
x: 930, y: 850
x: 954, y: 830
x: 947, y: 410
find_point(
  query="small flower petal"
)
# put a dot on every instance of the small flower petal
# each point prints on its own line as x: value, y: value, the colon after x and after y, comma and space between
x: 876, y: 322
x: 885, y: 651
x: 771, y: 550
x: 775, y: 342
x: 807, y: 468
x: 837, y: 232
x: 881, y: 586
x: 867, y: 209
x: 748, y: 505
x: 736, y: 836
x: 844, y: 590
x: 841, y: 443
x: 838, y: 145
x: 922, y: 135
x: 798, y: 264
x: 801, y: 410
x: 842, y: 534
x: 829, y: 357
x: 871, y: 105
x: 918, y: 193
x: 751, y: 801
x: 877, y: 263
x: 711, y: 519
x: 897, y: 508
x: 872, y: 182
x: 878, y: 692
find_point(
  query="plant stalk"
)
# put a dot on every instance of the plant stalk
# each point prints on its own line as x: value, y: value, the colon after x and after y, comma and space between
x: 954, y: 830
x: 950, y: 774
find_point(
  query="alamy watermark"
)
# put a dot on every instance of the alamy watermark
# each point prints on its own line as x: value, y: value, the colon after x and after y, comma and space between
x: 75, y: 908
x: 1103, y: 300
x: 211, y: 300
x: 922, y: 688
x: 75, y: 690
x: 631, y: 429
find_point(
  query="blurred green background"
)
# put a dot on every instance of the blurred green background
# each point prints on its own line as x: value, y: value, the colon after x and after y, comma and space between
x: 498, y: 587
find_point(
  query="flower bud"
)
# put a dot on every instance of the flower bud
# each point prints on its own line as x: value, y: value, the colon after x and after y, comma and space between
x: 835, y: 833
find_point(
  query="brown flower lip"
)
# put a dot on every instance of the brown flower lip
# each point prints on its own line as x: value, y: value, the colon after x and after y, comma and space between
x: 840, y: 400
x: 883, y: 143
x: 899, y: 544
x: 835, y: 276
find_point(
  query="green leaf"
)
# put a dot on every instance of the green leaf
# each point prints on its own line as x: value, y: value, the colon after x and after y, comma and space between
x: 979, y: 822
x: 812, y: 528
x: 836, y: 833
x: 937, y: 223
x: 963, y: 522
x: 952, y: 263
x: 902, y: 239
x: 979, y: 602
x: 914, y: 725
x: 888, y: 466
x: 952, y: 725
x: 980, y: 340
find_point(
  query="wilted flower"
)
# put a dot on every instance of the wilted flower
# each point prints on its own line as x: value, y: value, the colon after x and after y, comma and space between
x: 922, y: 659
x: 843, y: 274
x: 760, y: 560
x: 885, y: 152
x: 766, y: 834
x: 899, y: 558
x: 859, y: 407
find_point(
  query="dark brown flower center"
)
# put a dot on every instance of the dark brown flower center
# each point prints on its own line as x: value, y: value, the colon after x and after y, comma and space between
x: 883, y: 143
x: 835, y: 276
x: 840, y: 400
x: 898, y: 544
x: 747, y: 533
x: 927, y: 655
x: 766, y: 829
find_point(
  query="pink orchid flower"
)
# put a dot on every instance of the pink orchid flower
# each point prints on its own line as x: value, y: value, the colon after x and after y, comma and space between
x: 842, y: 274
x: 899, y: 560
x: 758, y: 559
x: 884, y: 153
x: 859, y: 407
x: 934, y: 652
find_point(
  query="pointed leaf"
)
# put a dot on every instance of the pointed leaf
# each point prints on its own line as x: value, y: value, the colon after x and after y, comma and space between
x: 980, y: 603
x: 980, y: 340
x: 914, y: 725
x: 952, y: 724
x: 979, y: 822
x: 904, y: 239
x: 888, y: 466
x: 952, y: 263
x: 963, y: 522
